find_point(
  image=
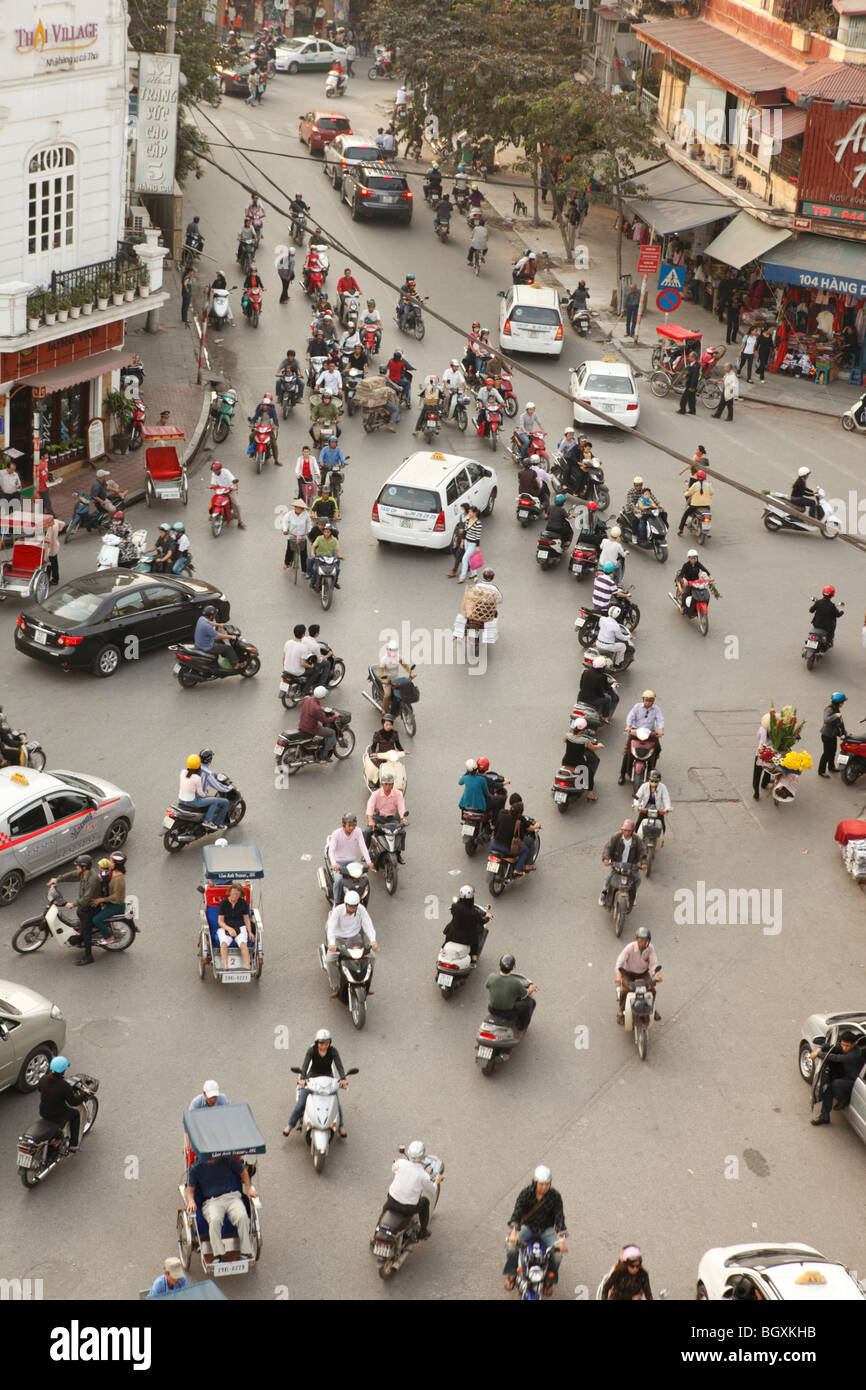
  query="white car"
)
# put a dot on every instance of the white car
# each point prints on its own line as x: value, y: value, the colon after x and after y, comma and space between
x: 753, y: 1273
x: 309, y: 54
x: 420, y: 503
x: 608, y: 386
x: 530, y: 320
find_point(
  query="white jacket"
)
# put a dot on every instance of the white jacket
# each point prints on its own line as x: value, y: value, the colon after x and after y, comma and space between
x: 663, y: 799
x: 731, y: 386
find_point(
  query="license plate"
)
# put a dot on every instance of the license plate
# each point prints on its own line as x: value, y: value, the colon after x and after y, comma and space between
x: 442, y: 979
x: 523, y: 514
x: 841, y: 759
x: 391, y: 198
x: 485, y: 1053
x: 811, y: 642
x: 236, y: 977
x: 40, y: 636
x: 541, y: 555
x: 284, y: 685
x: 578, y: 622
x: 219, y: 1268
x: 168, y: 823
x: 175, y: 668
x: 26, y: 1160
x: 468, y: 832
x: 492, y: 863
x: 405, y: 521
x: 560, y: 797
x: 278, y: 751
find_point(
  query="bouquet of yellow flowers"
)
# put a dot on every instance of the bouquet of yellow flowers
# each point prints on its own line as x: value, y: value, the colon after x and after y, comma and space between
x: 797, y: 762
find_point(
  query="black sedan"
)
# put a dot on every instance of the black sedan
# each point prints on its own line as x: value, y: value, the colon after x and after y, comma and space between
x: 232, y: 77
x: 99, y: 620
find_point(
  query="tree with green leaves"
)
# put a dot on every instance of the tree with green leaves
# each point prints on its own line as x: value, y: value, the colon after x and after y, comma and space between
x: 198, y: 44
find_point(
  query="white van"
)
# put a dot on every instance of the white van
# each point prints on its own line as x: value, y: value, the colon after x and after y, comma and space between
x: 420, y: 503
x: 530, y: 320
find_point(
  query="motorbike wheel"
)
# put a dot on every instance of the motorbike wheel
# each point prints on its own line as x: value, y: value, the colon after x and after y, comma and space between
x: 850, y: 773
x: 419, y: 329
x: 772, y: 523
x: 639, y: 775
x: 660, y: 383
x: 602, y: 497
x: 216, y: 522
x: 660, y: 551
x: 492, y: 437
x: 390, y: 875
x: 326, y: 593
x: 357, y: 1009
x: 408, y: 716
x: 338, y: 671
x: 123, y: 938
x: 252, y: 667
x: 254, y: 318
x: 186, y: 682
x: 373, y: 73
x: 511, y: 406
x: 37, y: 760
x: 260, y: 460
x: 830, y: 529
x: 497, y: 886
x: 562, y: 806
x: 847, y: 422
x: 470, y: 847
x: 704, y: 622
x: 30, y: 936
x: 650, y: 856
x: 618, y: 914
x: 220, y: 430
x: 587, y: 634
x: 633, y: 621
x: 810, y: 661
x: 461, y: 419
x: 487, y: 1069
x: 642, y: 1041
x: 345, y: 745
x: 171, y: 842
x: 29, y: 1177
x: 237, y: 811
x: 319, y: 1160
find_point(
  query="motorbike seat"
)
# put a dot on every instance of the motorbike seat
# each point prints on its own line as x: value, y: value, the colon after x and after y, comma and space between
x: 454, y: 951
x: 43, y: 1130
x: 187, y: 812
x: 394, y: 1221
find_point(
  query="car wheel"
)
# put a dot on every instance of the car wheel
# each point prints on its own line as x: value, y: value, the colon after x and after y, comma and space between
x: 356, y: 210
x: 34, y: 1067
x: 805, y: 1064
x: 10, y: 886
x: 701, y: 1293
x: 292, y: 68
x: 117, y: 834
x: 491, y: 503
x: 107, y: 660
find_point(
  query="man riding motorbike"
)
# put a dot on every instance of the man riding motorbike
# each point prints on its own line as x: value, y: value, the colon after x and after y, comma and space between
x: 443, y: 208
x: 698, y: 494
x: 253, y: 281
x: 622, y: 848
x: 265, y: 412
x: 325, y: 411
x: 613, y: 638
x: 523, y: 272
x: 487, y: 395
x: 431, y: 399
x: 433, y: 182
x: 373, y: 317
x: 408, y: 295
x: 412, y: 1187
x: 636, y: 961
x: 825, y: 613
x: 290, y: 373
x: 398, y: 372
x: 645, y: 715
x: 652, y: 793
x: 347, y: 284
x: 802, y: 496
x: 595, y: 687
x: 558, y: 523
x: 466, y: 927
x: 538, y: 1213
x: 247, y: 241
x: 509, y: 996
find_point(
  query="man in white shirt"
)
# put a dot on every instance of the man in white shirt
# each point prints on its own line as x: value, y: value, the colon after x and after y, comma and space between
x: 636, y: 961
x: 296, y: 526
x: 330, y: 379
x: 346, y: 923
x: 453, y: 378
x: 350, y: 339
x: 221, y: 477
x: 313, y: 648
x: 346, y: 846
x: 611, y: 553
x: 296, y: 660
x: 412, y: 1187
x: 612, y: 638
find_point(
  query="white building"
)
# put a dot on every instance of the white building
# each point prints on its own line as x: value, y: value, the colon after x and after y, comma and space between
x: 63, y: 171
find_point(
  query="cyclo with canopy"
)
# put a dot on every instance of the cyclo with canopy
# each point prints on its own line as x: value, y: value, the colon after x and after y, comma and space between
x: 224, y: 865
x: 220, y: 1131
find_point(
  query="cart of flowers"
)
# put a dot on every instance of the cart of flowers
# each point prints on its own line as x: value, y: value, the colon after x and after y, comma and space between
x: 779, y: 757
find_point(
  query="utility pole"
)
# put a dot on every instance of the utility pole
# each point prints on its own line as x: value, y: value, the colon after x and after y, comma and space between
x: 171, y: 26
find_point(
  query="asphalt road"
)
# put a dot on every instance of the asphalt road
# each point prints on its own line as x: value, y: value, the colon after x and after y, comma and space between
x: 641, y: 1151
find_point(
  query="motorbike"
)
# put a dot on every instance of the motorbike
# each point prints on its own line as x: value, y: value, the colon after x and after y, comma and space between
x: 220, y: 509
x: 62, y: 923
x: 262, y: 436
x: 82, y: 516
x: 355, y: 963
x: 324, y: 579
x: 373, y: 763
x: 218, y: 314
x: 350, y: 309
x: 383, y: 67
x: 293, y: 688
x: 537, y: 445
x: 700, y: 524
x: 620, y: 661
x: 652, y: 831
x: 442, y: 228
x: 400, y: 708
x: 644, y: 751
x: 491, y: 422
x: 135, y: 435
x: 383, y: 848
x: 460, y: 194
x: 286, y: 393
x: 356, y: 872
x: 183, y: 825
x: 371, y: 337
x: 192, y: 249
x: 593, y: 488
x: 569, y: 784
x: 258, y: 221
x: 295, y: 749
x: 620, y: 895
x: 639, y: 1012
x: 430, y: 423
x: 550, y: 548
x: 654, y: 536
x: 122, y: 550
x: 252, y: 305
x: 458, y: 408
x: 145, y: 563
x: 851, y: 759
x: 473, y: 217
x: 476, y: 828
x: 297, y: 229
x: 321, y: 1113
x: 528, y: 508
x: 335, y: 84
x: 854, y: 417
x: 317, y: 365
x: 414, y: 318
x: 584, y: 558
x: 815, y: 647
x: 320, y: 428
x: 246, y: 253
x: 586, y: 622
x: 580, y: 320
x: 505, y: 387
x: 313, y: 280
x: 454, y: 964
x: 221, y: 413
x: 332, y: 479
x: 396, y: 1234
x: 533, y: 1265
x: 695, y: 604
x: 497, y: 1037
x: 351, y: 377
x: 16, y: 747
x: 194, y: 667
x: 45, y: 1144
x: 500, y: 867
x: 591, y: 714
x: 777, y: 518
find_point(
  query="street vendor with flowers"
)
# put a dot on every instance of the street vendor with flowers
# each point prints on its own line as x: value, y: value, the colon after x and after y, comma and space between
x: 776, y: 760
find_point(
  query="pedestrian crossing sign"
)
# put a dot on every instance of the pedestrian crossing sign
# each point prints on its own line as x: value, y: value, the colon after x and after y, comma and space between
x: 672, y: 277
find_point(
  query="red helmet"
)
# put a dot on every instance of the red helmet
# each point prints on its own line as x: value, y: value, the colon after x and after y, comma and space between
x: 700, y: 475
x: 627, y: 825
x: 592, y: 506
x: 829, y: 591
x: 117, y: 516
x: 489, y: 381
x: 483, y: 764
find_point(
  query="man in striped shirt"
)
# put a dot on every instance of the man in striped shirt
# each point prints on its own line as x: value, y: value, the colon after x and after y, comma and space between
x: 604, y: 588
x: 471, y: 542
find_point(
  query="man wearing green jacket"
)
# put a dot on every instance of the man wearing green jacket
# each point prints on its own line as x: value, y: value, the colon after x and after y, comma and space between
x: 87, y: 879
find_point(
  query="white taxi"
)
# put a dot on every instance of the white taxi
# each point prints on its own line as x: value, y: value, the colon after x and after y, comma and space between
x: 608, y: 386
x: 768, y: 1273
x: 420, y: 503
x: 47, y: 818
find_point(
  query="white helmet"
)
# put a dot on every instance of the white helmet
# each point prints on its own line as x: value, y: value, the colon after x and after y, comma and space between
x: 320, y: 692
x: 467, y: 891
x: 578, y: 722
x: 351, y: 899
x: 530, y: 405
x: 542, y: 1173
x: 615, y: 533
x: 614, y: 612
x: 599, y: 663
x: 803, y: 472
x: 534, y: 458
x: 323, y: 1035
x: 416, y: 1151
x: 471, y: 765
x: 221, y: 843
x: 454, y: 362
x: 691, y: 554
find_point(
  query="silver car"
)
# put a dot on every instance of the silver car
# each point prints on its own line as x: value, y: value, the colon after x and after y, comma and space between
x: 46, y: 818
x: 32, y: 1031
x: 821, y: 1029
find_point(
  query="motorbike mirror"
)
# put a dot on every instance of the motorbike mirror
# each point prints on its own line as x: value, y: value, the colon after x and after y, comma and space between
x: 353, y: 1071
x: 296, y: 1070
x: 200, y: 888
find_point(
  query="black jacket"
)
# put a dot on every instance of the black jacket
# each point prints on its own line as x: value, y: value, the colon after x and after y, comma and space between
x: 593, y: 684
x: 626, y: 1285
x: 848, y: 1064
x: 693, y: 376
x: 825, y: 614
x: 833, y: 725
x: 314, y: 1065
x: 56, y: 1095
x: 547, y: 1213
x: 467, y: 925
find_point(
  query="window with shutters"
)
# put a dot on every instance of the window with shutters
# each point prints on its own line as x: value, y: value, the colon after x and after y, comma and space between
x: 51, y: 199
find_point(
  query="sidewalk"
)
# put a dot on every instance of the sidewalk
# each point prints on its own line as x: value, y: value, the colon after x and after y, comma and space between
x: 598, y: 234
x: 170, y: 358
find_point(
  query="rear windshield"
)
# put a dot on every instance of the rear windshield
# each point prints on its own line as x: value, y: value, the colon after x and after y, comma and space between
x: 614, y: 385
x: 338, y: 123
x: 413, y: 499
x: 362, y: 152
x: 389, y: 185
x: 532, y: 313
x: 73, y: 604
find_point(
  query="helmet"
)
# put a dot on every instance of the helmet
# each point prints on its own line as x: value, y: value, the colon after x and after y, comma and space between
x: 409, y: 278
x: 630, y: 1252
x: 326, y: 395
x: 507, y: 963
x: 351, y: 899
x: 559, y: 499
x: 643, y: 934
x: 489, y: 381
x: 599, y: 663
x: 118, y: 859
x: 648, y: 695
x: 104, y: 864
x: 838, y: 697
x: 416, y: 1151
x: 398, y: 356
x: 371, y: 303
x: 59, y: 1065
x: 803, y: 472
x: 435, y: 164
x: 608, y: 568
x: 828, y: 591
x: 467, y: 891
x: 542, y: 1173
x: 592, y: 506
x: 193, y: 762
x: 162, y: 526
x: 488, y: 575
x: 534, y: 458
x: 526, y: 250
x: 386, y: 775
x: 700, y: 475
x: 530, y: 405
x: 323, y: 1035
x: 691, y: 554
x: 332, y: 439
x: 471, y: 765
x: 475, y: 324
x: 461, y: 168
x: 579, y: 723
x: 637, y: 482
x: 210, y: 611
x: 483, y: 764
x: 178, y: 526
x: 320, y: 692
x: 267, y: 399
x: 615, y: 533
x: 627, y: 825
x: 655, y: 776
x: 83, y: 861
x: 349, y: 818
x: 454, y: 363
x: 474, y: 187
x: 221, y: 842
x: 615, y: 612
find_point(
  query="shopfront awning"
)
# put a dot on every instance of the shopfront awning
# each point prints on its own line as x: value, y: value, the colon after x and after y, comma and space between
x: 675, y: 202
x: 819, y: 263
x: 743, y: 240
x: 85, y: 369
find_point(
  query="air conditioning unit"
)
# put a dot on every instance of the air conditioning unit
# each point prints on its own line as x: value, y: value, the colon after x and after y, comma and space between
x: 725, y: 164
x: 139, y: 218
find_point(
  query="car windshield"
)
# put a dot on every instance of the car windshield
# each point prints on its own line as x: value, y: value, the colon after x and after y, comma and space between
x: 294, y: 44
x: 389, y: 185
x: 7, y: 1008
x: 412, y: 499
x: 361, y: 152
x: 78, y: 782
x: 613, y: 385
x: 338, y: 123
x: 73, y: 603
x: 531, y: 313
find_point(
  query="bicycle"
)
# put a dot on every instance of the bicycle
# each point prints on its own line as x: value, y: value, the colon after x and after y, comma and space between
x: 475, y: 259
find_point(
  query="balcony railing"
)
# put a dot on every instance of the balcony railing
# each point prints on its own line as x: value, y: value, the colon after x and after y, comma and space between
x: 64, y: 282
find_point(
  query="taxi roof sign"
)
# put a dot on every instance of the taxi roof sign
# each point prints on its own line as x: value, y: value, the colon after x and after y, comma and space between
x: 19, y: 777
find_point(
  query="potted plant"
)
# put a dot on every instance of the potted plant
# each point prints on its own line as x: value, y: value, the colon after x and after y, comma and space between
x: 143, y: 281
x: 35, y: 308
x: 76, y: 303
x: 64, y: 304
x: 103, y: 290
x: 120, y: 409
x: 50, y: 309
x: 88, y: 294
x: 129, y: 286
x: 117, y: 290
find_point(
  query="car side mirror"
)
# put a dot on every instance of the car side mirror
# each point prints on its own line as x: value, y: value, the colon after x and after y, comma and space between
x: 500, y: 294
x: 820, y: 1040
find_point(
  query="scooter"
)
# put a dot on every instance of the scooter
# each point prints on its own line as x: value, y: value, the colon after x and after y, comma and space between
x: 135, y: 436
x: 355, y: 965
x: 293, y: 688
x: 356, y: 872
x: 400, y: 708
x: 261, y: 444
x: 700, y: 524
x: 371, y: 337
x: 497, y: 1037
x: 569, y: 784
x: 183, y: 825
x: 321, y: 1113
x: 430, y: 423
x: 593, y: 487
x: 17, y: 747
x: 219, y: 313
x: 295, y: 749
x: 652, y: 831
x: 533, y: 1265
x: 654, y: 536
x: 851, y: 758
x: 45, y: 1144
x: 454, y: 964
x: 335, y: 84
x: 414, y: 318
x: 550, y: 548
x: 505, y: 387
x: 221, y: 413
x: 581, y: 321
x: 696, y: 603
x: 639, y: 1012
x: 373, y: 763
x: 383, y: 67
x: 246, y: 253
x: 528, y: 508
x: 396, y: 1234
x: 644, y: 752
x: 620, y: 895
x: 815, y: 647
x: 778, y: 517
x: 500, y: 867
x: 34, y: 933
x: 220, y: 509
x: 537, y: 445
x: 350, y: 309
x: 252, y: 305
x: 286, y: 392
x: 383, y: 848
x: 442, y: 228
x: 854, y: 417
x: 352, y: 377
x: 584, y: 559
x: 587, y: 620
x: 82, y: 516
x: 194, y: 667
x: 324, y: 578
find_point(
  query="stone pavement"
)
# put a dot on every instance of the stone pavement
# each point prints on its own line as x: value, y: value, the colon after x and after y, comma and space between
x: 598, y: 234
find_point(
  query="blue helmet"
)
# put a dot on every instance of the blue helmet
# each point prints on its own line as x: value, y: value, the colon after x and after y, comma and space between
x: 838, y: 697
x: 607, y: 568
x: 59, y: 1064
x: 559, y: 499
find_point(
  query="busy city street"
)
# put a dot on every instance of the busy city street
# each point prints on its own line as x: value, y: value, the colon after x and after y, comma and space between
x: 705, y: 1143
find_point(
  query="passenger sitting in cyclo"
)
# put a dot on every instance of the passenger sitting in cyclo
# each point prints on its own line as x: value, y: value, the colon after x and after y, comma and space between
x: 234, y: 925
x: 213, y: 1181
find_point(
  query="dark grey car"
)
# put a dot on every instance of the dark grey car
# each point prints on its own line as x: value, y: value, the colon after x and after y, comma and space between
x: 377, y: 190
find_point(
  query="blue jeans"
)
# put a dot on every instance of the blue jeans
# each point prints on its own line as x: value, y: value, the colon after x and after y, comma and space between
x: 630, y: 319
x: 549, y: 1238
x: 525, y: 851
x: 179, y: 563
x: 301, y: 1102
x: 216, y: 808
x: 104, y: 915
x: 525, y: 442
